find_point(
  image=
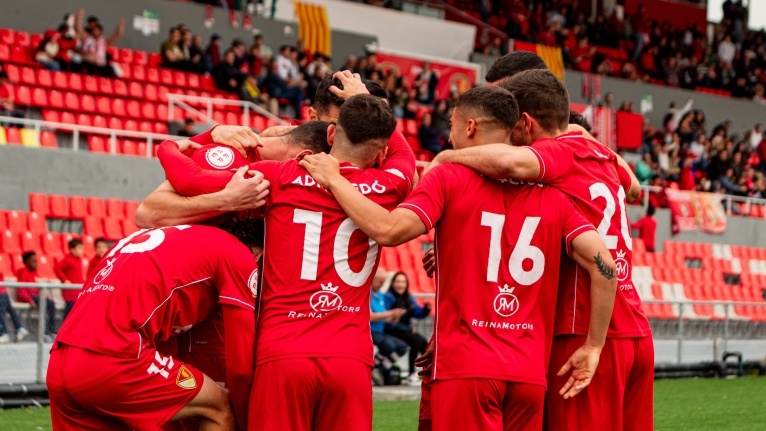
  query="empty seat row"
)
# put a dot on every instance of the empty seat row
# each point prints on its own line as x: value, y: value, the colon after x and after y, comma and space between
x: 114, y: 123
x: 103, y: 105
x: 77, y: 207
x: 27, y: 137
x: 127, y: 147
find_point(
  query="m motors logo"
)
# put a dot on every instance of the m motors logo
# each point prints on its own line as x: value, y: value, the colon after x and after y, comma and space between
x: 326, y: 299
x: 220, y: 157
x: 506, y: 303
x: 622, y: 265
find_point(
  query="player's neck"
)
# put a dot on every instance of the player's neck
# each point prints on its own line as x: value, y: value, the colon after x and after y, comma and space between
x: 274, y: 148
x: 344, y: 158
x: 546, y: 134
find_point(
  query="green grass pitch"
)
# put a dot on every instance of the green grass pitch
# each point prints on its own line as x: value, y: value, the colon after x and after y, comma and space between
x: 687, y: 404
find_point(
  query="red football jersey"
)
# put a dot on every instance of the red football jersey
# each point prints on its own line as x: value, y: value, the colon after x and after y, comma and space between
x: 589, y: 174
x: 318, y: 265
x: 497, y: 250
x: 158, y: 283
x: 219, y: 157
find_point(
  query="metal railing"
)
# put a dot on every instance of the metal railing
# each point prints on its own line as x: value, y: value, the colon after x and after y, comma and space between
x: 77, y: 130
x: 728, y: 200
x: 183, y: 101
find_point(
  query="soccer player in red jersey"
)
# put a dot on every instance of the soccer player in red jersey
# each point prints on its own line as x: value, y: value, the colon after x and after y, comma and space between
x: 596, y: 181
x: 105, y: 371
x: 314, y: 350
x: 498, y: 245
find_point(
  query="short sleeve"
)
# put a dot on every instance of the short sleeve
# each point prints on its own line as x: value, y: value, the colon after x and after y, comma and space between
x: 430, y: 195
x: 400, y: 160
x: 237, y: 279
x: 625, y: 178
x: 574, y: 223
x: 555, y: 159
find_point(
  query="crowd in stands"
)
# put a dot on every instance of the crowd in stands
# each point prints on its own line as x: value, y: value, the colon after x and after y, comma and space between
x: 688, y: 154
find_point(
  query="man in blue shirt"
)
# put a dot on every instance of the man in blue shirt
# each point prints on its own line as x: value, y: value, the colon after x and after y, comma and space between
x: 389, y: 348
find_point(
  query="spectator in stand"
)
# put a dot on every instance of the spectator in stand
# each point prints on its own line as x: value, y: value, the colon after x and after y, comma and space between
x: 686, y: 171
x: 69, y: 271
x: 390, y: 348
x: 28, y: 274
x: 172, y: 57
x: 65, y: 54
x: 251, y: 92
x: 266, y: 51
x: 227, y: 75
x: 191, y: 50
x: 287, y: 67
x: 47, y: 50
x: 240, y: 53
x: 213, y: 52
x: 7, y: 308
x: 727, y: 50
x: 399, y: 297
x: 350, y: 63
x: 731, y: 185
x: 429, y: 136
x: 278, y: 88
x: 426, y: 83
x: 94, y: 57
x: 647, y: 229
x: 188, y: 129
x: 756, y: 136
x: 440, y: 118
x: 645, y: 169
x: 7, y: 107
x: 321, y: 62
x: 761, y: 152
x: 101, y: 247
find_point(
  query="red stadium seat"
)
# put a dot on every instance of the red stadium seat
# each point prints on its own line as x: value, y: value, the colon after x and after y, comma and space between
x: 125, y: 55
x: 151, y: 93
x: 207, y: 82
x: 92, y: 226
x: 10, y: 242
x: 99, y: 121
x: 130, y: 209
x: 75, y: 82
x: 77, y: 207
x: 233, y: 118
x: 160, y: 128
x: 140, y: 148
x: 90, y: 84
x: 136, y: 90
x: 128, y: 226
x: 148, y: 111
x: 68, y: 118
x: 97, y: 144
x: 131, y: 125
x: 115, y: 208
x: 48, y: 140
x: 88, y: 103
x: 105, y: 85
x: 118, y: 107
x: 192, y: 80
x: 410, y: 127
x: 5, y: 52
x: 120, y: 88
x: 5, y: 266
x: 153, y: 74
x: 103, y: 105
x: 133, y: 109
x: 154, y: 59
x: 112, y: 229
x: 15, y: 221
x: 6, y: 36
x: 56, y: 99
x: 51, y: 244
x: 3, y: 221
x: 138, y: 72
x: 13, y: 135
x: 45, y: 267
x: 22, y: 38
x: 44, y: 78
x: 38, y: 202
x: 128, y: 147
x: 36, y: 223
x: 83, y: 120
x: 89, y: 243
x: 166, y: 77
x: 29, y: 241
x: 19, y: 54
x: 51, y: 116
x: 39, y: 98
x: 13, y: 73
x: 96, y: 207
x: 71, y: 101
x: 140, y: 58
x: 179, y: 78
x: 414, y: 142
x: 28, y: 76
x: 162, y: 112
x: 59, y: 206
x: 162, y: 93
x: 23, y: 95
x: 60, y: 80
x: 116, y: 123
x: 145, y: 126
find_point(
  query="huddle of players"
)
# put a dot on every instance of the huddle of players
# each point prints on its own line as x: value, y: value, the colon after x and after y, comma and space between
x: 325, y: 217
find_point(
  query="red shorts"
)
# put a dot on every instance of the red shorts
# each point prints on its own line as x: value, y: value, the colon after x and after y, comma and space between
x: 487, y: 405
x: 424, y: 418
x: 311, y: 394
x: 621, y: 394
x: 214, y: 366
x: 92, y: 391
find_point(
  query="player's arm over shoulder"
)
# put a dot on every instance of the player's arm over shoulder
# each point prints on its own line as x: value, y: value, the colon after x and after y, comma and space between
x: 497, y: 161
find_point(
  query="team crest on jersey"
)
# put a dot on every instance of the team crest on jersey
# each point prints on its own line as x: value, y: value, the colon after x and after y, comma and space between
x: 105, y: 271
x: 622, y: 266
x: 506, y: 303
x: 252, y: 283
x: 185, y: 379
x: 220, y: 157
x: 326, y: 299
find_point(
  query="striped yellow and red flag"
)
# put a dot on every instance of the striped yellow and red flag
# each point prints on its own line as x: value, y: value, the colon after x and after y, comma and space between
x: 551, y: 55
x: 314, y: 27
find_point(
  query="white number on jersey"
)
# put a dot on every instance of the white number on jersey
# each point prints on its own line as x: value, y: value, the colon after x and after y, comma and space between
x: 156, y: 237
x: 522, y: 251
x: 600, y: 190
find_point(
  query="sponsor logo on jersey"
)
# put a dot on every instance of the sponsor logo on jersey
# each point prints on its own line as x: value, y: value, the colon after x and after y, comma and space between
x: 326, y: 299
x: 220, y: 157
x: 623, y: 267
x: 105, y: 271
x: 185, y: 379
x: 506, y: 303
x: 252, y: 282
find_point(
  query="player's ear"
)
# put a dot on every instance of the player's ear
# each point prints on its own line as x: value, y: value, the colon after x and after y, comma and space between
x: 330, y: 134
x: 470, y: 128
x: 528, y: 123
x: 303, y: 153
x: 313, y: 114
x: 381, y: 155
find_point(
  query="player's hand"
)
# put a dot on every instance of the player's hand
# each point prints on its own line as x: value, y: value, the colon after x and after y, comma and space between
x: 429, y: 263
x: 243, y: 192
x: 426, y: 360
x: 352, y: 85
x: 274, y: 131
x: 240, y: 138
x: 324, y: 168
x: 583, y: 364
x: 185, y: 144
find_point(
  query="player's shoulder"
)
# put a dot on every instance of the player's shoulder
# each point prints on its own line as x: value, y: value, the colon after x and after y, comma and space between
x: 585, y: 148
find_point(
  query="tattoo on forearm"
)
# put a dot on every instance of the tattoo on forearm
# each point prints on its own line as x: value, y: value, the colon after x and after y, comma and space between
x: 603, y: 268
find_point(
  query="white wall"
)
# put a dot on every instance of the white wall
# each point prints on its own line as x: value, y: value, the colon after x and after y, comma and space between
x: 395, y: 30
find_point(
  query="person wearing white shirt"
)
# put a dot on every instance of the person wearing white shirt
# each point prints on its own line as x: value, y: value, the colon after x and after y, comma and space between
x: 756, y: 136
x: 727, y: 50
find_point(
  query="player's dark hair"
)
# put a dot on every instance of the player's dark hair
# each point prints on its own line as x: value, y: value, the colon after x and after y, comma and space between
x: 650, y: 210
x: 73, y: 243
x: 324, y: 98
x: 494, y: 103
x: 311, y: 135
x: 365, y: 118
x: 248, y: 230
x: 513, y: 63
x: 28, y: 255
x: 98, y: 240
x: 578, y: 119
x: 543, y: 96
